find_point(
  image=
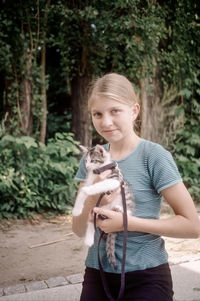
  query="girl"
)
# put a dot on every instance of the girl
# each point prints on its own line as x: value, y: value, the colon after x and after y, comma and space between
x: 152, y: 174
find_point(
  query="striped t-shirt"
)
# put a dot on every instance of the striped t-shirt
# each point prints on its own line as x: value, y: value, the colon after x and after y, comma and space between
x: 148, y: 169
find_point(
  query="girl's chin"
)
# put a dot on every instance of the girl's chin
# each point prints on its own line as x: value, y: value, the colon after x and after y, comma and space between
x: 112, y: 139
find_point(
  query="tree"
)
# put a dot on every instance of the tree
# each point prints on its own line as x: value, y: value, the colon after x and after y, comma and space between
x: 107, y: 37
x: 23, y: 40
x: 76, y: 19
x: 181, y: 74
x: 154, y: 43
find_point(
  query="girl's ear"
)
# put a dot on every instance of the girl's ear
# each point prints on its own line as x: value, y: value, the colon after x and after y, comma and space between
x: 83, y: 148
x: 136, y: 110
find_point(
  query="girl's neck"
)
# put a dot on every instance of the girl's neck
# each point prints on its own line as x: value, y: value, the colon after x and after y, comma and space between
x: 122, y: 149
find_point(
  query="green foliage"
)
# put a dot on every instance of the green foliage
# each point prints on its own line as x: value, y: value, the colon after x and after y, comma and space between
x: 180, y: 52
x: 180, y: 67
x: 21, y: 41
x: 183, y: 139
x: 120, y: 36
x: 37, y: 178
x: 58, y: 123
x: 133, y: 37
x: 187, y: 148
x: 2, y: 126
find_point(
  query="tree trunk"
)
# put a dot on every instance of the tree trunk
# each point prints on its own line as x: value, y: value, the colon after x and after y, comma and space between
x: 81, y: 124
x: 43, y: 73
x: 25, y: 103
x: 151, y: 109
x: 44, y: 97
x: 144, y: 109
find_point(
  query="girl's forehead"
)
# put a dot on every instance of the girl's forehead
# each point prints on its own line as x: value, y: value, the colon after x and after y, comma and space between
x: 102, y: 103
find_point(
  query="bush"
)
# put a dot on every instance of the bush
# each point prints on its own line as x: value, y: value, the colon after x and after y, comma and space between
x: 185, y: 146
x: 36, y: 177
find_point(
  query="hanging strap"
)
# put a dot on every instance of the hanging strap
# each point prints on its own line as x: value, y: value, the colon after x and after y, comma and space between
x: 104, y: 281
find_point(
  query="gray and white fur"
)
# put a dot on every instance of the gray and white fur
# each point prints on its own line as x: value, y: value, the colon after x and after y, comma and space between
x: 97, y: 157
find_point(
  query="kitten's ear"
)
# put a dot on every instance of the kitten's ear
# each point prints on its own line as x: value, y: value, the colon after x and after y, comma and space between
x: 100, y: 149
x: 83, y: 148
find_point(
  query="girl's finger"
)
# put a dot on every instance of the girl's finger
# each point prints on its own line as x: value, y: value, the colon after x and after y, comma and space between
x: 105, y: 212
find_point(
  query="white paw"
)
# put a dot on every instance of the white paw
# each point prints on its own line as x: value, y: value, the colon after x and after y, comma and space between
x: 89, y: 240
x: 86, y: 189
x: 76, y: 211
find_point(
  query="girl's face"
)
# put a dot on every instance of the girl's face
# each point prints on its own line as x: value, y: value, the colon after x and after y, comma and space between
x: 112, y: 119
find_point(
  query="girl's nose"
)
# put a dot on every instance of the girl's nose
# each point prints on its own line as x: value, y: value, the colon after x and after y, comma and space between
x: 106, y: 120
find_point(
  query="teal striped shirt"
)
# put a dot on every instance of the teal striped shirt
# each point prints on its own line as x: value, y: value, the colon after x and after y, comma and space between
x: 148, y: 169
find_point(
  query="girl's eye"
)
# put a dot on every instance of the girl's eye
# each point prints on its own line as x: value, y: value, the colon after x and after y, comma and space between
x: 115, y: 111
x: 97, y: 115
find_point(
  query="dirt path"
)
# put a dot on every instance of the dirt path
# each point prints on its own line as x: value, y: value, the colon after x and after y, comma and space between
x: 21, y: 260
x: 60, y: 251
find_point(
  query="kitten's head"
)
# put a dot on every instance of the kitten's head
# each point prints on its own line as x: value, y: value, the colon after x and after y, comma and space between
x: 96, y: 157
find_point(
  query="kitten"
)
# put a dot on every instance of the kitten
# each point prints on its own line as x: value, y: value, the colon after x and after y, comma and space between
x: 97, y: 157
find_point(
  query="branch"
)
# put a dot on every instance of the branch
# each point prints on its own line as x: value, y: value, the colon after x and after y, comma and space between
x: 50, y: 242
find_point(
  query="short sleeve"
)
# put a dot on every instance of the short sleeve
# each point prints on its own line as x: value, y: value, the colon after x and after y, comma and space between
x: 162, y: 168
x: 82, y: 172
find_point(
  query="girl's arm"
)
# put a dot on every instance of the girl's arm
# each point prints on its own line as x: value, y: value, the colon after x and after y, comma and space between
x: 185, y: 223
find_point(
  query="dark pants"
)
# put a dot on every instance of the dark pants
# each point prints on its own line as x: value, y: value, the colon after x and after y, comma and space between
x: 154, y: 284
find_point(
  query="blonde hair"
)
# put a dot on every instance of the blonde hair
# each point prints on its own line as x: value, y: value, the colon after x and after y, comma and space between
x: 113, y: 86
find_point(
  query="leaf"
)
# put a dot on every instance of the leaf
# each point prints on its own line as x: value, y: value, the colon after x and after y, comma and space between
x: 186, y: 93
x: 27, y: 141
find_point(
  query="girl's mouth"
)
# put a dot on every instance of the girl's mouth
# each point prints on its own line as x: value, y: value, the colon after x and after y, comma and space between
x: 109, y: 131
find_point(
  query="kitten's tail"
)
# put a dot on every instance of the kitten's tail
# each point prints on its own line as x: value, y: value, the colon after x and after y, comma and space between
x: 110, y: 249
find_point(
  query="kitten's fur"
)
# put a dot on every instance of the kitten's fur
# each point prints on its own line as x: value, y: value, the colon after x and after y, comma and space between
x: 96, y: 158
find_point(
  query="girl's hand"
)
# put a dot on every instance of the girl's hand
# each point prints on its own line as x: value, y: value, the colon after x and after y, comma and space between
x: 113, y: 222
